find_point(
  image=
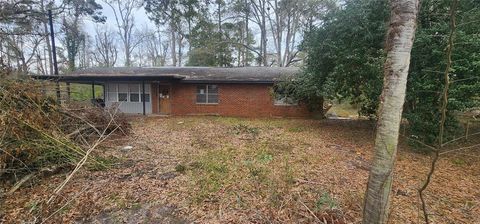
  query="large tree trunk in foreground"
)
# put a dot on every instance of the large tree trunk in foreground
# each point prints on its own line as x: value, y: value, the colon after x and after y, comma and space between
x: 399, y: 43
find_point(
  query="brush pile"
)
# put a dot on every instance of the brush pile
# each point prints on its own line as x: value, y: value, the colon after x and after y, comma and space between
x: 37, y: 133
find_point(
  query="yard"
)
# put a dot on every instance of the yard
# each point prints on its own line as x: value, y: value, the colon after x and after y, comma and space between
x: 219, y: 170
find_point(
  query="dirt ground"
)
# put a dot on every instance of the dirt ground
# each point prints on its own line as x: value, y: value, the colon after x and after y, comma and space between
x: 231, y: 170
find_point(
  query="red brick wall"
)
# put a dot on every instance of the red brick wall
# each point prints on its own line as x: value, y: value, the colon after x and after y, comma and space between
x: 243, y: 100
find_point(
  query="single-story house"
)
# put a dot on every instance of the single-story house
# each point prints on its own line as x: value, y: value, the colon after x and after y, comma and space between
x: 242, y: 91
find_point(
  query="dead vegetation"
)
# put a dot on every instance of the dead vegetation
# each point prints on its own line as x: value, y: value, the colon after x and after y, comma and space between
x: 218, y: 170
x: 40, y: 137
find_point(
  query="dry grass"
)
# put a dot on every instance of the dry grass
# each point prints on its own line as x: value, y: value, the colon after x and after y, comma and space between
x: 217, y: 170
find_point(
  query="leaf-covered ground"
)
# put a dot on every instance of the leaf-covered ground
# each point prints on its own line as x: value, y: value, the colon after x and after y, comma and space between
x: 218, y: 170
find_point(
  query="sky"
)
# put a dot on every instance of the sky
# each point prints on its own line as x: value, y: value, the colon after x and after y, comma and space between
x: 141, y: 19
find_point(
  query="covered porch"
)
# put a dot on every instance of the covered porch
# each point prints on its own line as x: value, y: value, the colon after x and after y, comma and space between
x: 131, y: 94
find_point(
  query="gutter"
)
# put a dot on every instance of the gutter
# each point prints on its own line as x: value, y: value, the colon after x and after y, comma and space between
x: 180, y: 79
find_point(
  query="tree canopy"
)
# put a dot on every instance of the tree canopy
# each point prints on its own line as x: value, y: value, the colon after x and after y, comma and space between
x: 346, y: 54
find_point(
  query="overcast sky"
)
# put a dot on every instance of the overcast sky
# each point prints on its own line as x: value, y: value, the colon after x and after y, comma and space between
x: 141, y: 19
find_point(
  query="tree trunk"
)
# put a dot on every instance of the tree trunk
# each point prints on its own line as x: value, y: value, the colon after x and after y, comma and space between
x: 264, y: 43
x: 128, y: 63
x: 288, y: 40
x: 189, y: 39
x: 239, y: 49
x: 71, y: 61
x: 47, y: 40
x: 399, y: 43
x: 278, y: 33
x: 180, y: 53
x: 263, y: 33
x: 173, y: 47
x: 107, y: 51
x: 245, y: 51
x: 219, y: 23
x: 321, y: 111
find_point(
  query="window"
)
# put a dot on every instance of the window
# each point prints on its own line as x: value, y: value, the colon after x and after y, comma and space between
x: 147, y: 97
x: 134, y: 90
x: 122, y: 92
x: 122, y: 97
x: 147, y: 93
x: 282, y: 97
x: 112, y: 92
x: 207, y: 94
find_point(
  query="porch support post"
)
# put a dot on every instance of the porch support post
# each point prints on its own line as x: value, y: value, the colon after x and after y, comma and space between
x: 93, y: 93
x: 68, y: 92
x: 143, y: 96
x: 104, y: 92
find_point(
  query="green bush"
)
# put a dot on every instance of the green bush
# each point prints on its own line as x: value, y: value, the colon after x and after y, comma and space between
x: 345, y: 61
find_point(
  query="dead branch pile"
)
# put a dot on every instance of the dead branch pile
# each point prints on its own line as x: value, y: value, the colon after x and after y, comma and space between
x: 38, y: 133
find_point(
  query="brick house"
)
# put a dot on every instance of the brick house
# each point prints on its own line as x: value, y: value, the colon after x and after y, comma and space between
x: 243, y: 92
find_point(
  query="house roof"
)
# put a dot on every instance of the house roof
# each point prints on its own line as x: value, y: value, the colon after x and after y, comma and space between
x: 182, y: 74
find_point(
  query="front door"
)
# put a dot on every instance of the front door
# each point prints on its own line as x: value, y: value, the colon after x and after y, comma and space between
x: 164, y: 98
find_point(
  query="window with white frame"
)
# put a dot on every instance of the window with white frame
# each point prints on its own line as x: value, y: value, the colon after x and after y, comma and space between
x: 134, y: 90
x: 207, y: 94
x: 112, y: 92
x: 147, y: 93
x: 122, y: 92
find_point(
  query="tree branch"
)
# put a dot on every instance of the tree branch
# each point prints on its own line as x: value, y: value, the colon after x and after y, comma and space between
x: 443, y: 109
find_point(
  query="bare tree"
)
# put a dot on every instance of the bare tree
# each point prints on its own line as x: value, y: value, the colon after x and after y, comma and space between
x: 25, y: 22
x: 105, y: 51
x: 43, y: 5
x: 123, y: 11
x: 288, y: 20
x: 180, y: 43
x: 277, y: 26
x: 20, y: 50
x: 173, y: 44
x: 399, y: 43
x: 20, y: 33
x: 259, y: 12
x: 86, y: 53
x: 246, y: 36
x: 154, y: 47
